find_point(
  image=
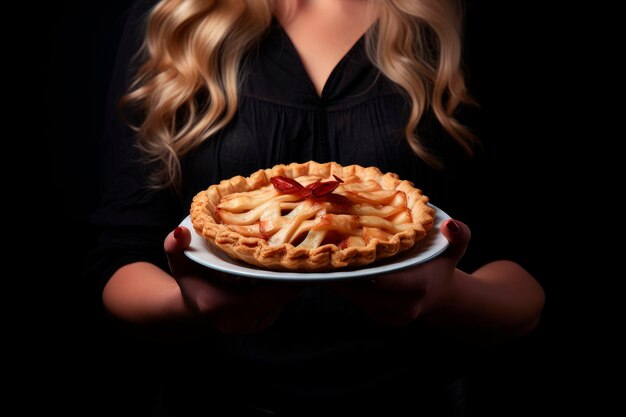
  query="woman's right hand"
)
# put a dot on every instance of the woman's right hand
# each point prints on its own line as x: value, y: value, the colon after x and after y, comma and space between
x: 231, y: 305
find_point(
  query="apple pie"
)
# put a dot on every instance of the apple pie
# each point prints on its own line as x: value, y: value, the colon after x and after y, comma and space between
x: 312, y: 217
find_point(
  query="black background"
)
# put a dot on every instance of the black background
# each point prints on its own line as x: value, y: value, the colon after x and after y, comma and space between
x: 515, y: 59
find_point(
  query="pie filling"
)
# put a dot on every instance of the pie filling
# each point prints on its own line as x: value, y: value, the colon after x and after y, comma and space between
x: 350, y: 214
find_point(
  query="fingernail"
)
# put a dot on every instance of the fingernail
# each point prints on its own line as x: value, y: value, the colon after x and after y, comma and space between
x: 453, y: 227
x: 177, y: 232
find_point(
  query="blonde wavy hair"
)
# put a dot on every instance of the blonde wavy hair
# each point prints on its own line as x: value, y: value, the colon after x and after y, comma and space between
x: 195, y: 48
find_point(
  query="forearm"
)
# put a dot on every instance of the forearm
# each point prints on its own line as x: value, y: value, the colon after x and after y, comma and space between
x: 499, y: 300
x: 142, y: 293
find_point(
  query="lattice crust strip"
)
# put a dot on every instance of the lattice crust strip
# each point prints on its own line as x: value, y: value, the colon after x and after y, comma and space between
x: 251, y: 220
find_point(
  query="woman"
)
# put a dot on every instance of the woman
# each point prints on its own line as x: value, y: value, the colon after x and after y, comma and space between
x: 227, y: 87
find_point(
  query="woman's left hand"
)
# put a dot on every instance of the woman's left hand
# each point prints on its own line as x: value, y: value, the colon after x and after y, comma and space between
x: 398, y: 299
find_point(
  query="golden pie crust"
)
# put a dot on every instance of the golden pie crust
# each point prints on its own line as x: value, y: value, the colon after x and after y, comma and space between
x: 250, y: 220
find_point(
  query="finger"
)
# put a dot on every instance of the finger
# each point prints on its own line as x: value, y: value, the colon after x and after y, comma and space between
x: 458, y: 234
x: 174, y: 245
x: 177, y: 241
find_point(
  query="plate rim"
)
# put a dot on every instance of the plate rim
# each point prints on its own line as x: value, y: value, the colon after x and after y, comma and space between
x: 249, y: 271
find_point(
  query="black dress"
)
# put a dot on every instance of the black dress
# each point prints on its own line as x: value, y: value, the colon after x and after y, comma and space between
x: 321, y: 354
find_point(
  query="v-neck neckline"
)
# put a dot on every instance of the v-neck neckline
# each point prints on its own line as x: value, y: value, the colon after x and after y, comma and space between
x: 333, y: 73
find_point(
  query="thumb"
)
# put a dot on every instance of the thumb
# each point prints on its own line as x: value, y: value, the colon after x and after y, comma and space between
x: 174, y: 245
x: 177, y: 241
x: 458, y: 234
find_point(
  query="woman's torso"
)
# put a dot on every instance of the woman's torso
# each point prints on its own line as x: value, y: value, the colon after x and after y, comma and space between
x: 359, y: 119
x: 320, y: 347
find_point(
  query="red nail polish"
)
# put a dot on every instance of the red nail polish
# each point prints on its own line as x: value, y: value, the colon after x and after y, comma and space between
x: 453, y: 227
x: 177, y: 232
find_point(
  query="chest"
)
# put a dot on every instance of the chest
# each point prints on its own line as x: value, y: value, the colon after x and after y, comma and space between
x: 323, y: 33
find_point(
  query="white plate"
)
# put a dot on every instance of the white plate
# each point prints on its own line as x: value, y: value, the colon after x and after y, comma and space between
x: 206, y: 254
